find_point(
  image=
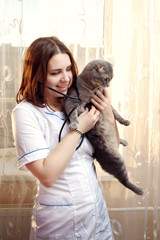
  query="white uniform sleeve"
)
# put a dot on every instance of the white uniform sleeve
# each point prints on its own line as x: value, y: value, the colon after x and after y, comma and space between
x: 29, y: 138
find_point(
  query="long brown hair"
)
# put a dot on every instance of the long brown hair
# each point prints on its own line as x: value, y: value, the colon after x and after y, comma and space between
x: 35, y: 68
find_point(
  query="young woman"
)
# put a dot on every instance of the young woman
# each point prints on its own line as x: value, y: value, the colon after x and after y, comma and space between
x: 69, y: 203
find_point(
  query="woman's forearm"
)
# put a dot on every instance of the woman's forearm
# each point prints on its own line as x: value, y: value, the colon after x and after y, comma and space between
x: 49, y: 169
x: 116, y: 132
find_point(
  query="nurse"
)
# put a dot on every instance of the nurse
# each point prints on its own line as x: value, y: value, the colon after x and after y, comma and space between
x: 69, y: 203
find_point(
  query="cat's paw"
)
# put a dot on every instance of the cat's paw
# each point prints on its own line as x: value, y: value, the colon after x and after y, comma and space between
x: 73, y: 125
x: 123, y: 142
x: 126, y: 122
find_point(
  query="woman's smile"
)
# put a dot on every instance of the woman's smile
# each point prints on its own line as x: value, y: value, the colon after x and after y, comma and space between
x: 59, y: 75
x: 63, y: 88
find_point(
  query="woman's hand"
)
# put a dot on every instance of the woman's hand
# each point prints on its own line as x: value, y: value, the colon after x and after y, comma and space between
x: 88, y: 119
x: 49, y: 169
x: 102, y: 103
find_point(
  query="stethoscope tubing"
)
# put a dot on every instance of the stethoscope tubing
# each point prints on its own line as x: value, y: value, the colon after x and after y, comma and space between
x: 74, y: 98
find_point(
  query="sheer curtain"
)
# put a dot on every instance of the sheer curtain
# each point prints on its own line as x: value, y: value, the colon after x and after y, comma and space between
x: 133, y: 42
x: 124, y: 32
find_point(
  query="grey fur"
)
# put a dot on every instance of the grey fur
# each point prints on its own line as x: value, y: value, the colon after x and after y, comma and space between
x: 98, y: 74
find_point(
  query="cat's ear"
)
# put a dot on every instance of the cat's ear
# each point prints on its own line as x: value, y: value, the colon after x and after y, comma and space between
x: 99, y: 68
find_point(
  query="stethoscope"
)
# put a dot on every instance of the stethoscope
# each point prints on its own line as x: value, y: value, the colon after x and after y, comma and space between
x: 67, y: 118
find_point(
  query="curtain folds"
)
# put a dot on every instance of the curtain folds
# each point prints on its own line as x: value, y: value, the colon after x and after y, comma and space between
x: 134, y: 50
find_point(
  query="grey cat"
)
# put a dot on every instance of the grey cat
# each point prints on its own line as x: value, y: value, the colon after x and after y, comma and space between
x: 98, y: 74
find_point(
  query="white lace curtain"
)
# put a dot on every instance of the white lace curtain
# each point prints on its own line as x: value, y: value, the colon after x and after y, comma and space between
x: 124, y: 32
x: 132, y: 30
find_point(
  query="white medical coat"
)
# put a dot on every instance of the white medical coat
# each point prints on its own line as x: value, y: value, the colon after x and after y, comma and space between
x: 74, y: 207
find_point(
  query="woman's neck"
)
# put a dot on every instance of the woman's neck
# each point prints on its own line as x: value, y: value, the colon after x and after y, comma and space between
x: 56, y: 104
